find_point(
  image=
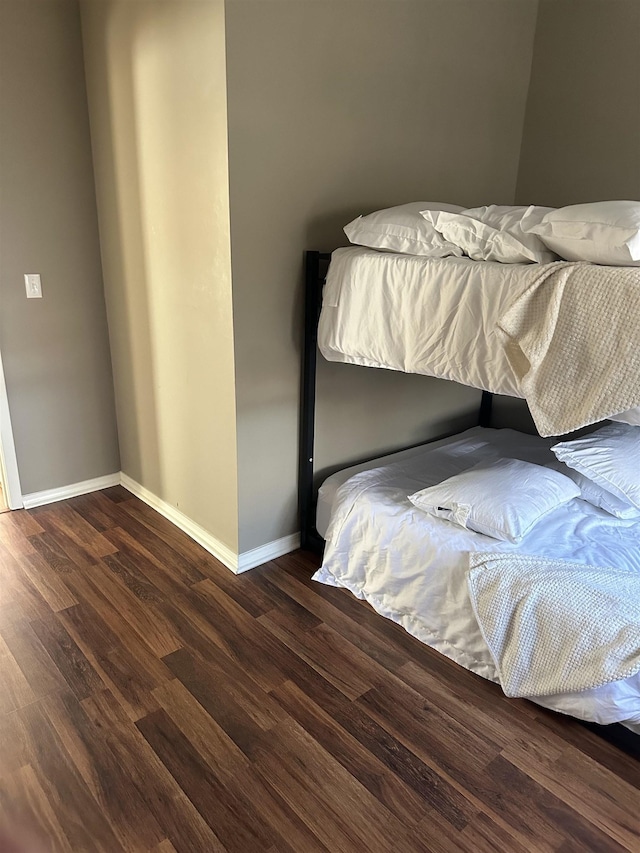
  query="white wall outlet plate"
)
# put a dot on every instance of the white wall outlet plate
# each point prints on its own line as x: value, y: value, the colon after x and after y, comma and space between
x: 33, y: 285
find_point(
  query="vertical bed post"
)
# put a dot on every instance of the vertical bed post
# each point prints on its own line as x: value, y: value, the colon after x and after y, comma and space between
x: 486, y: 404
x: 309, y: 537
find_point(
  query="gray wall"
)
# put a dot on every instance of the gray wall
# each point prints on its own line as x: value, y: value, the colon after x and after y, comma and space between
x: 55, y: 350
x: 581, y: 139
x: 582, y: 131
x: 335, y: 109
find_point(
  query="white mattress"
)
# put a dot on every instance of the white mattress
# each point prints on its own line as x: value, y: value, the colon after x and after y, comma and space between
x: 412, y: 568
x: 433, y: 316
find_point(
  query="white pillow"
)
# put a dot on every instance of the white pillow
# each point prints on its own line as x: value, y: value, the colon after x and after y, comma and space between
x: 610, y: 457
x: 503, y: 499
x: 402, y: 229
x: 594, y: 494
x: 494, y: 233
x: 603, y: 232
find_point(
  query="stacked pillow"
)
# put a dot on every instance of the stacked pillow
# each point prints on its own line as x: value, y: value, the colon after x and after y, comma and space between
x: 606, y: 232
x: 607, y: 465
x: 594, y: 494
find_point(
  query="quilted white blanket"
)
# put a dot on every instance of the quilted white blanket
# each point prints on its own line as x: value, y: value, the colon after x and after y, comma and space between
x: 574, y: 344
x: 554, y: 626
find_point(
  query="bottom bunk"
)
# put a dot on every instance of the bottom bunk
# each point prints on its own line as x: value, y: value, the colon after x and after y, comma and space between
x: 414, y: 568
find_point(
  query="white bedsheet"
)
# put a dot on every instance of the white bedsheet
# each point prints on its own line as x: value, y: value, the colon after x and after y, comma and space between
x: 434, y: 316
x: 412, y: 568
x: 329, y: 488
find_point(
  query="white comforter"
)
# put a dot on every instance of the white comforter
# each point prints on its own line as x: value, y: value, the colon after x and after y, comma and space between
x: 441, y: 317
x: 413, y: 569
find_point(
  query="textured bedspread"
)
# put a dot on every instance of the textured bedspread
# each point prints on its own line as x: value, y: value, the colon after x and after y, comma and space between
x: 575, y: 344
x: 553, y: 626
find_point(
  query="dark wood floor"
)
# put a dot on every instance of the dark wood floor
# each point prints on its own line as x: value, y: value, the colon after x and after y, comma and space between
x: 151, y: 700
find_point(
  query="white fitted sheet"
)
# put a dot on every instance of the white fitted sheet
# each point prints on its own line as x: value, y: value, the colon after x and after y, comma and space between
x: 329, y: 488
x: 433, y: 316
x: 412, y: 568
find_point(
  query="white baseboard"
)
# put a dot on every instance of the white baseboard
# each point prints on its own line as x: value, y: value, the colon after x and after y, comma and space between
x: 236, y: 562
x: 49, y: 496
x: 209, y: 542
x: 257, y: 556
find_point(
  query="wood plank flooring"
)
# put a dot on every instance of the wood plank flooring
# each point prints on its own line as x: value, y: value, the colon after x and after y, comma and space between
x: 3, y: 502
x: 150, y: 700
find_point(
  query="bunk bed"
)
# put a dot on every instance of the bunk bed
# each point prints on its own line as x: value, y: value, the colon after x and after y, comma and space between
x: 423, y: 571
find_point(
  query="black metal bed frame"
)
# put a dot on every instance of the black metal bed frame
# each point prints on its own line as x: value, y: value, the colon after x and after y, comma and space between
x: 316, y: 264
x: 314, y: 278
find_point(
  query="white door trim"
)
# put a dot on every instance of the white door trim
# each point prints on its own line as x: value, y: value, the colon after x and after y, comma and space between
x: 8, y: 459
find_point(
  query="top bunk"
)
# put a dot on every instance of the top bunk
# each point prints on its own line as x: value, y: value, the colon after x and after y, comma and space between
x: 562, y: 334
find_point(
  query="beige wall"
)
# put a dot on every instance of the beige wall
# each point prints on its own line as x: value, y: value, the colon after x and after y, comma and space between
x: 156, y: 83
x: 339, y: 108
x: 55, y: 350
x: 582, y: 131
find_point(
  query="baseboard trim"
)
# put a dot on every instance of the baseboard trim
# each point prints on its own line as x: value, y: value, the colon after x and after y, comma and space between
x: 277, y: 548
x: 219, y: 550
x: 49, y: 496
x: 237, y: 563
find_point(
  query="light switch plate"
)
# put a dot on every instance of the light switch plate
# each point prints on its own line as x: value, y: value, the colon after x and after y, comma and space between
x: 33, y: 285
